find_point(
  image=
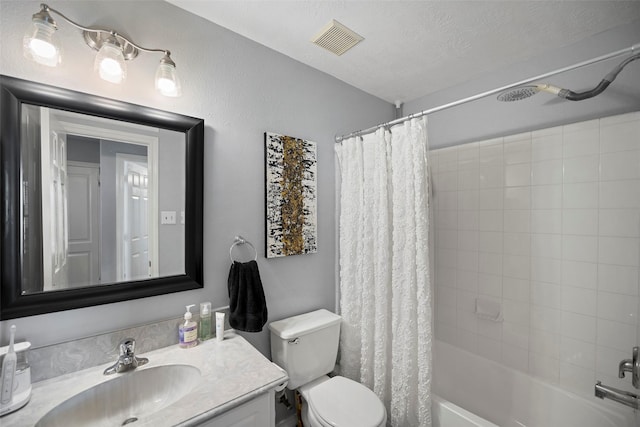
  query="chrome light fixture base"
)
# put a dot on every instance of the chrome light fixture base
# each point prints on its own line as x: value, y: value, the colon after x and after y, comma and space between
x: 95, y: 40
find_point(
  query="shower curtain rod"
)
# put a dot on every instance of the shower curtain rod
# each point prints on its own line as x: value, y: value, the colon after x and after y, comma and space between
x: 492, y: 92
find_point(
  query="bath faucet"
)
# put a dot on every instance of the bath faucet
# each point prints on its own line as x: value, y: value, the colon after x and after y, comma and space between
x: 620, y: 396
x: 631, y: 365
x: 127, y: 360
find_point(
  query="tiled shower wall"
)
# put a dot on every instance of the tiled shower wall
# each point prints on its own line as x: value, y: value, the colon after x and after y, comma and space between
x: 547, y: 224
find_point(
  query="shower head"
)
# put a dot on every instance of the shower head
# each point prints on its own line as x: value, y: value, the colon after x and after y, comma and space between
x: 518, y: 93
x: 523, y: 92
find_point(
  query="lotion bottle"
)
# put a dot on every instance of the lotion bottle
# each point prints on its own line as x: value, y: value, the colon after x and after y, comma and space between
x: 204, y: 330
x: 188, y: 331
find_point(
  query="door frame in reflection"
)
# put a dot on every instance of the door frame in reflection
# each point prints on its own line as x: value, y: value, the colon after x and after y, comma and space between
x: 66, y: 124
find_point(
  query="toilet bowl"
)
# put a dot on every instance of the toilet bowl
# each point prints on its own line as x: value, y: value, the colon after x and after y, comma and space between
x: 340, y: 402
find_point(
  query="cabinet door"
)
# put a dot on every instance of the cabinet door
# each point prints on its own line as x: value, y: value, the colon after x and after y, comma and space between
x: 259, y: 412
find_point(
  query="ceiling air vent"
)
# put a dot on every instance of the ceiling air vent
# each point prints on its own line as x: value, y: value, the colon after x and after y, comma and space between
x: 337, y: 38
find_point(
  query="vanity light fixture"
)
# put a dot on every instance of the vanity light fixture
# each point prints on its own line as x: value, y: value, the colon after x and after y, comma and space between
x: 41, y: 45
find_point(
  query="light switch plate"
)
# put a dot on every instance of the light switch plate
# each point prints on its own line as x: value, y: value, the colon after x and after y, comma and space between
x: 168, y: 217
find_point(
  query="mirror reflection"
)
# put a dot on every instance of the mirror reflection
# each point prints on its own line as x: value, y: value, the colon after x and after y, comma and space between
x: 103, y: 200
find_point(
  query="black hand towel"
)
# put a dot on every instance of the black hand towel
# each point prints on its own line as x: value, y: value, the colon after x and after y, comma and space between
x: 247, y: 305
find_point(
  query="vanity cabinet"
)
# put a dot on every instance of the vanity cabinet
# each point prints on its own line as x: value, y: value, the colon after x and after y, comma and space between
x: 258, y: 412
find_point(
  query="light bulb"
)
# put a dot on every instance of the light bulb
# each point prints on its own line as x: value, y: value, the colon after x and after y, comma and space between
x: 110, y: 62
x: 39, y: 44
x: 167, y: 81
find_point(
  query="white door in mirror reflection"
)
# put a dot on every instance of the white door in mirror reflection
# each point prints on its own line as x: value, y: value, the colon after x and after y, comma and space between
x: 84, y: 222
x: 54, y: 202
x: 132, y: 226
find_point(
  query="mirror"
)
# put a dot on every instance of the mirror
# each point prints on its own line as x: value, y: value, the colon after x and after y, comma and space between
x: 102, y: 200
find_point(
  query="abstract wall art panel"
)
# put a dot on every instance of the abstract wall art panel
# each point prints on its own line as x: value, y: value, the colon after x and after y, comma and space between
x: 291, y: 201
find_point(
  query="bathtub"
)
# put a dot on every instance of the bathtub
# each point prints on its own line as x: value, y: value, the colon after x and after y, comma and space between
x: 492, y: 394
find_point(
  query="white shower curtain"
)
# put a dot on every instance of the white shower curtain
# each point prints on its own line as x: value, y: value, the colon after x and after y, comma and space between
x: 385, y: 294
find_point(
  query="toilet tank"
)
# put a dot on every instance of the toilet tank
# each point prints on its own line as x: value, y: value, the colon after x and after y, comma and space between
x: 306, y: 345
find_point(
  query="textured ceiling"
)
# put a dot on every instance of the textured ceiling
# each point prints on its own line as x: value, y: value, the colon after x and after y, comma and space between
x: 414, y: 48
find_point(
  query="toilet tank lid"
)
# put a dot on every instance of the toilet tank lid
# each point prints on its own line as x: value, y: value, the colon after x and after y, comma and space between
x: 303, y: 324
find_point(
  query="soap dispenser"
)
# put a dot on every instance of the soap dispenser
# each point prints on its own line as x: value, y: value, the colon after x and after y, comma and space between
x: 188, y: 330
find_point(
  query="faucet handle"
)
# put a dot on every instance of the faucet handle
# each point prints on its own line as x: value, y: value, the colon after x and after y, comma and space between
x: 633, y: 366
x: 127, y: 347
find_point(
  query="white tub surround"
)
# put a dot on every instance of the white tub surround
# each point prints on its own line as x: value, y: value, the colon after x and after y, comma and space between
x: 446, y: 414
x: 510, y: 398
x: 232, y: 371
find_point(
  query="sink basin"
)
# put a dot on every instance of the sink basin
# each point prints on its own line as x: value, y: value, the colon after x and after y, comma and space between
x: 125, y: 399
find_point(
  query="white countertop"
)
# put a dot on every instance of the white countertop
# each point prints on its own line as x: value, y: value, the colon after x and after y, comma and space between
x: 233, y: 372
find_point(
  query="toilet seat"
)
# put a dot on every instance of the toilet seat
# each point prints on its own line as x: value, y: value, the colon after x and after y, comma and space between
x: 341, y: 402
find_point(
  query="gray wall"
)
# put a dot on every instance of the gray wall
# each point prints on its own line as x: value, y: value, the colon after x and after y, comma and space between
x: 488, y: 118
x: 241, y: 89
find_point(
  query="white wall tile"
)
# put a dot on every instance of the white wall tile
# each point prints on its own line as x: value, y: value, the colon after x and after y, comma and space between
x: 490, y: 349
x: 468, y: 200
x: 619, y: 250
x: 618, y: 307
x: 546, y: 196
x: 491, y: 198
x: 581, y: 139
x: 580, y: 274
x: 447, y: 239
x: 607, y: 360
x: 582, y: 195
x: 579, y: 300
x: 546, y: 144
x: 548, y: 270
x: 517, y: 243
x: 446, y: 276
x: 620, y: 165
x: 517, y: 198
x: 616, y: 335
x: 491, y: 176
x: 619, y: 222
x: 578, y: 326
x: 620, y: 194
x: 546, y: 172
x: 447, y: 221
x: 467, y: 281
x: 546, y: 245
x: 468, y: 240
x: 517, y: 175
x: 578, y: 353
x: 490, y: 220
x: 580, y: 221
x: 490, y: 263
x: 489, y: 329
x: 545, y: 367
x: 618, y: 278
x: 517, y: 221
x: 581, y: 169
x: 546, y: 318
x: 546, y: 294
x: 546, y: 221
x: 580, y: 248
x: 516, y: 290
x: 446, y: 181
x: 491, y: 152
x: 544, y: 343
x: 516, y: 266
x: 517, y: 150
x: 490, y: 285
x: 468, y: 220
x: 490, y: 241
x: 469, y: 156
x: 620, y: 136
x: 515, y: 334
x: 468, y: 179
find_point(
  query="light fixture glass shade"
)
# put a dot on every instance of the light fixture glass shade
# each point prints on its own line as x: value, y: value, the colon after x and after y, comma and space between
x: 110, y: 63
x: 167, y: 81
x: 40, y: 44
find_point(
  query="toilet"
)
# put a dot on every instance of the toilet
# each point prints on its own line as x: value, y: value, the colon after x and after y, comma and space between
x: 306, y: 347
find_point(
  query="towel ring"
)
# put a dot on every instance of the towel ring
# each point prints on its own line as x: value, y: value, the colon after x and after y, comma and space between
x: 239, y: 240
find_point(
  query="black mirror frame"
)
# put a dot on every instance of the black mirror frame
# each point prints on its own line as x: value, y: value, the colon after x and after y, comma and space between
x: 13, y: 93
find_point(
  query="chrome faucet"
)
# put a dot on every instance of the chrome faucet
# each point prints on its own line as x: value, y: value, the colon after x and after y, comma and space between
x: 127, y: 360
x: 620, y: 396
x: 631, y: 365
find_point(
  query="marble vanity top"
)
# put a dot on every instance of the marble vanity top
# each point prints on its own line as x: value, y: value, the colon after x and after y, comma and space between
x: 233, y: 372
